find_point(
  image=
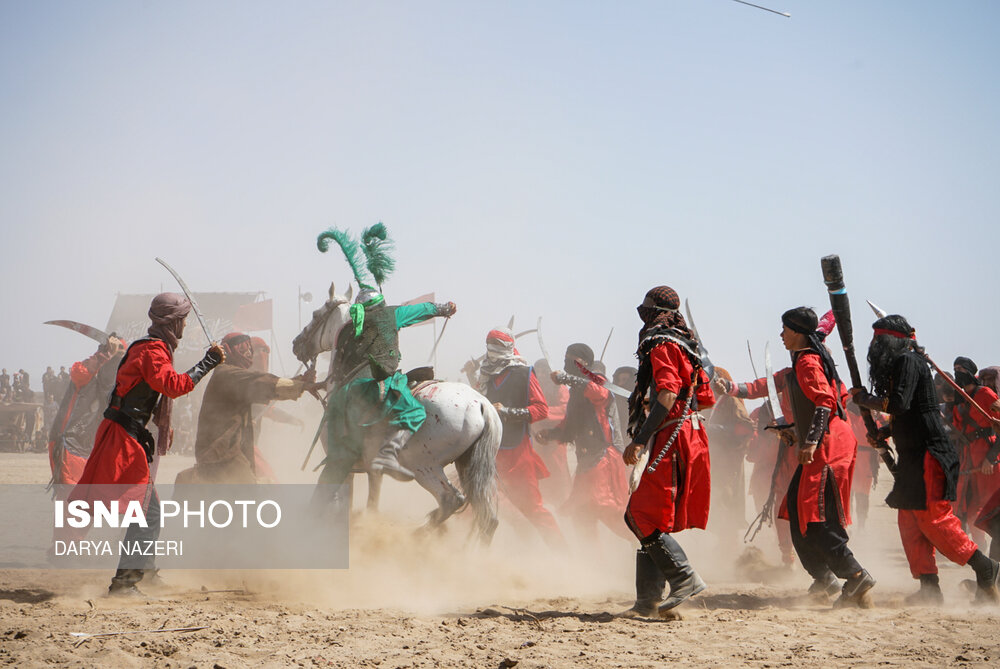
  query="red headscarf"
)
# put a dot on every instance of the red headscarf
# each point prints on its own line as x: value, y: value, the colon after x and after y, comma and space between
x: 239, y: 350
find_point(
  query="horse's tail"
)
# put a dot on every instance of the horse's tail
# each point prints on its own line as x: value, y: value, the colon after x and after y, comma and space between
x: 477, y: 472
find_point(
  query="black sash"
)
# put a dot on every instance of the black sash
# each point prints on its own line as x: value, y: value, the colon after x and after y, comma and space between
x: 134, y: 428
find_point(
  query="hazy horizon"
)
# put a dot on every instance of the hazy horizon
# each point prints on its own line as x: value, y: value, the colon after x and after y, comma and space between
x: 554, y: 160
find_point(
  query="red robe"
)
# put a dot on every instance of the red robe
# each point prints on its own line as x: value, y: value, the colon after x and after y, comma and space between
x: 520, y: 468
x: 605, y: 484
x: 763, y: 453
x: 835, y: 454
x: 866, y: 467
x: 976, y: 489
x: 67, y: 467
x: 117, y: 457
x: 676, y: 495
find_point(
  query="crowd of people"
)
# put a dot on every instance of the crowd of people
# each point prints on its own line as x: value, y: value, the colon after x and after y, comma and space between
x: 815, y: 445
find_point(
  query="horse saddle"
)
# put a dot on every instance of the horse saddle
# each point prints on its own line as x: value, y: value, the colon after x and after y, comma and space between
x: 419, y: 375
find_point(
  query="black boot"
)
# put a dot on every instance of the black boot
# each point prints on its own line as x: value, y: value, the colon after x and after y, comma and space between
x: 929, y: 593
x: 673, y: 562
x: 987, y: 578
x: 649, y: 585
x: 855, y: 590
x: 994, y: 532
x: 824, y: 587
x: 123, y: 583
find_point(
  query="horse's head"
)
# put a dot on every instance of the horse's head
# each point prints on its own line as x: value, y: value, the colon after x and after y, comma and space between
x: 320, y: 334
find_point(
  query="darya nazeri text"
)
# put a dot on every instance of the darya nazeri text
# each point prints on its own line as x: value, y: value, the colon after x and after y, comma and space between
x: 148, y: 547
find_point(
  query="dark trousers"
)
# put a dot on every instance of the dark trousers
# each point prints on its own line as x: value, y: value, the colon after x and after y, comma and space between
x: 823, y: 547
x: 131, y: 567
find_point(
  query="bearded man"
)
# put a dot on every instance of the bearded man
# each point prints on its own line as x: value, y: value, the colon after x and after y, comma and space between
x: 224, y: 447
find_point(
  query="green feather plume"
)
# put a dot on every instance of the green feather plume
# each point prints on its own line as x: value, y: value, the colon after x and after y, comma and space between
x: 351, y: 249
x: 377, y: 246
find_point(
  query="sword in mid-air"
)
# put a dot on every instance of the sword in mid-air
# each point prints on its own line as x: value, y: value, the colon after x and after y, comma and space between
x: 99, y: 336
x: 706, y: 361
x: 602, y: 381
x: 187, y: 294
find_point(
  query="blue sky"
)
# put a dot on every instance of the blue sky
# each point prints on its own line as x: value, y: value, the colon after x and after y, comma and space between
x: 553, y: 159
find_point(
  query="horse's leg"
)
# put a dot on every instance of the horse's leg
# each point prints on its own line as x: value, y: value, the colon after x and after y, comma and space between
x: 373, y: 441
x: 449, y: 499
x: 374, y: 490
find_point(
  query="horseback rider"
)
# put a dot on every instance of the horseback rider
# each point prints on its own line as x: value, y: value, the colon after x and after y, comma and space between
x: 372, y: 391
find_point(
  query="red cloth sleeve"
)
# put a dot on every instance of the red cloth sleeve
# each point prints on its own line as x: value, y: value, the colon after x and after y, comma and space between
x: 668, y: 365
x: 672, y: 372
x: 83, y: 371
x: 984, y: 397
x: 812, y: 381
x: 757, y: 388
x: 158, y: 371
x: 538, y: 408
x: 598, y: 395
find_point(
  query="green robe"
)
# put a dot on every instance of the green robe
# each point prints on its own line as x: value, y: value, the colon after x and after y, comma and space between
x: 365, y: 403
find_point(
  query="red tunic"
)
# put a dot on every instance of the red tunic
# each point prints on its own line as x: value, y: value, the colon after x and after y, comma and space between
x: 763, y: 453
x: 67, y: 467
x: 521, y: 467
x: 118, y: 458
x: 757, y: 389
x: 603, y: 485
x: 676, y: 495
x: 835, y: 454
x: 975, y: 489
x: 866, y: 467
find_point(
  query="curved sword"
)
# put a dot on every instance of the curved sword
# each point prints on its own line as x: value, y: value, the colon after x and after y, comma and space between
x: 187, y: 294
x: 772, y: 390
x: 541, y: 345
x: 706, y: 361
x: 86, y: 330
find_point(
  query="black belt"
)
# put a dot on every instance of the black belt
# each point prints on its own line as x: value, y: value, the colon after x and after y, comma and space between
x: 135, y: 429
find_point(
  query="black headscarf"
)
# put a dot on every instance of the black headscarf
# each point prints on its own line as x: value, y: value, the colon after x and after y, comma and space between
x: 663, y: 318
x: 804, y: 321
x: 965, y: 371
x: 891, y: 340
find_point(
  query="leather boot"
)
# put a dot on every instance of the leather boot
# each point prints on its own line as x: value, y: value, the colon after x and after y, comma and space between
x: 649, y: 585
x: 855, y: 591
x: 824, y: 587
x: 123, y: 583
x: 929, y: 593
x: 668, y: 555
x: 987, y: 578
x: 387, y: 460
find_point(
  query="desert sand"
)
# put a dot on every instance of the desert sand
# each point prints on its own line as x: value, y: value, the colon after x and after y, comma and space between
x: 412, y: 599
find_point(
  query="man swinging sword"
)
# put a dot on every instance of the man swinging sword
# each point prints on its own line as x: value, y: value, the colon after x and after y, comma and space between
x: 372, y: 391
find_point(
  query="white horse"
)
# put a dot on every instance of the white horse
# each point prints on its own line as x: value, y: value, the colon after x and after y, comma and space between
x: 461, y: 427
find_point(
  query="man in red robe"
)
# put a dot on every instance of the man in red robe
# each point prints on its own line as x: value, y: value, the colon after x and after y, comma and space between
x: 675, y: 494
x: 79, y: 415
x: 124, y: 448
x: 817, y: 503
x: 506, y: 380
x: 982, y: 478
x: 865, y: 467
x: 763, y: 451
x: 600, y: 483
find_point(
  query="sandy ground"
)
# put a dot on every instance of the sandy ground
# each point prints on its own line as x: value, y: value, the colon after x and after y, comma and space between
x: 412, y: 600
